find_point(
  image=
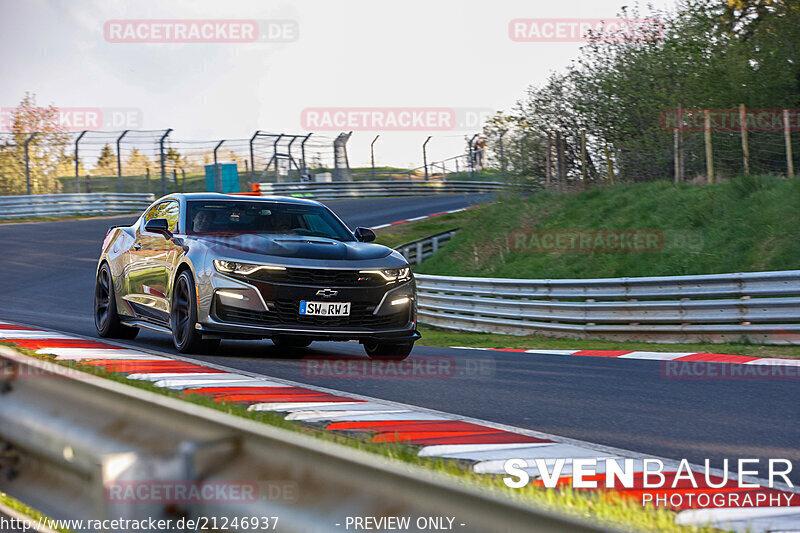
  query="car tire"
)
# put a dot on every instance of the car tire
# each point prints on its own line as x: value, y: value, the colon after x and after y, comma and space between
x: 183, y: 317
x: 291, y: 342
x: 106, y: 318
x: 394, y: 352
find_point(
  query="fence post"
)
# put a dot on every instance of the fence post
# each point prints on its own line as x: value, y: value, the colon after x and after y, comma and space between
x: 502, y: 157
x: 583, y: 157
x: 252, y: 158
x: 28, y: 164
x: 743, y: 128
x: 306, y: 170
x: 678, y: 146
x: 548, y: 161
x: 610, y: 164
x: 709, y: 151
x: 341, y: 163
x: 163, y: 168
x: 372, y: 155
x: 147, y: 176
x: 119, y: 161
x: 275, y: 157
x: 425, y: 156
x: 787, y: 134
x: 472, y: 156
x: 217, y: 176
x: 77, y: 163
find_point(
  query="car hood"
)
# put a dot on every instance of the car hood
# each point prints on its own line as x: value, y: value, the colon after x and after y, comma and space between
x: 297, y: 247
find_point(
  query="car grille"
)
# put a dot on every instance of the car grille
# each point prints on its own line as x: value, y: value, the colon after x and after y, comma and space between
x: 286, y: 314
x: 322, y: 277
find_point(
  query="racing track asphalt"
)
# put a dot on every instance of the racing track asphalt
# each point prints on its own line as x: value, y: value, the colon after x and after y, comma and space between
x: 47, y: 276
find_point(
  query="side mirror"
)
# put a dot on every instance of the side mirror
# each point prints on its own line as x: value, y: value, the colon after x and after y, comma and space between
x: 365, y: 234
x: 159, y: 226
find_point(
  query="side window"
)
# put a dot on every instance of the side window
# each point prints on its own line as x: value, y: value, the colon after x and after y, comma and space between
x: 169, y: 210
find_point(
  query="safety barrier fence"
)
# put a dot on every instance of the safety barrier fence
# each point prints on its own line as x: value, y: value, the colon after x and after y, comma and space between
x: 52, y: 205
x: 417, y: 251
x: 71, y: 438
x: 355, y: 189
x: 761, y: 307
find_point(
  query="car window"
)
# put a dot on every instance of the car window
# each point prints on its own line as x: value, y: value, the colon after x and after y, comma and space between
x: 275, y: 218
x: 169, y: 210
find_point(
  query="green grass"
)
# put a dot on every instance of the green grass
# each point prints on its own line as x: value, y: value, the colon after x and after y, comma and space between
x: 432, y: 336
x: 597, y: 507
x: 194, y: 183
x: 25, y: 510
x: 749, y: 224
x: 393, y: 236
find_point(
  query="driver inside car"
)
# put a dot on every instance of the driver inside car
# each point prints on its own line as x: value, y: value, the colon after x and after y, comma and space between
x: 282, y: 222
x: 202, y: 221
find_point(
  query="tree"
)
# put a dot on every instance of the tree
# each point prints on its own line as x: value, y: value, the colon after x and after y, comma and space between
x: 45, y: 151
x: 106, y: 164
x: 137, y: 163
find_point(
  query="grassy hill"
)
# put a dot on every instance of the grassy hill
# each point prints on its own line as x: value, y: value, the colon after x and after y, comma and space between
x: 749, y: 224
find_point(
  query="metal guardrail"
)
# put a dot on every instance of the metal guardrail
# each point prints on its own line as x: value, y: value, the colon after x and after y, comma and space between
x: 354, y: 189
x: 48, y: 205
x: 417, y: 251
x: 75, y: 435
x: 761, y: 307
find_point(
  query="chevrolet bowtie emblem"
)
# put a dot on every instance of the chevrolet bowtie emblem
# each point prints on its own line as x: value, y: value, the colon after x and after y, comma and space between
x: 327, y: 293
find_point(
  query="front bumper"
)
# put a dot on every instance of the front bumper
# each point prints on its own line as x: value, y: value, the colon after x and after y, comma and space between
x: 247, y: 308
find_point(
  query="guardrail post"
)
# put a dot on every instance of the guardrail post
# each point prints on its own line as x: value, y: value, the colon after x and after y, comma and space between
x: 217, y: 173
x: 78, y: 163
x: 28, y: 163
x: 119, y: 161
x: 163, y: 168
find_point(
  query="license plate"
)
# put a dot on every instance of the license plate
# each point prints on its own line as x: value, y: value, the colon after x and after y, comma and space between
x: 325, y: 308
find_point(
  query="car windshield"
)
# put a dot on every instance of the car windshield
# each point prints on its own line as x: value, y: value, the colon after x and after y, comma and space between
x: 276, y: 218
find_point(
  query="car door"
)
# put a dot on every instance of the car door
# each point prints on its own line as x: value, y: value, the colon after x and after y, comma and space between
x: 152, y: 257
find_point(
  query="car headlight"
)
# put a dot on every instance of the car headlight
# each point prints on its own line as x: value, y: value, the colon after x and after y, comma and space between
x: 391, y: 275
x: 244, y: 269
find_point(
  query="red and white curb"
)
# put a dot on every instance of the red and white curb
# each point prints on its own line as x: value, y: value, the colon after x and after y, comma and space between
x: 654, y: 356
x: 485, y: 446
x: 415, y: 219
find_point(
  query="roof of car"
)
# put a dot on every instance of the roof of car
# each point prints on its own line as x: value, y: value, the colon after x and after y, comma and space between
x: 220, y: 196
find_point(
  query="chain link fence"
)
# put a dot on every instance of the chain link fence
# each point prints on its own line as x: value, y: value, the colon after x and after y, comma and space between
x: 154, y: 161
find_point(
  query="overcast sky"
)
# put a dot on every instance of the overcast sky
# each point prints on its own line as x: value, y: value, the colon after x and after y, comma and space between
x: 453, y: 54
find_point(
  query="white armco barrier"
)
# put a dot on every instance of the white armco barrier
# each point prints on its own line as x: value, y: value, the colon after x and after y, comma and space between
x: 760, y: 307
x: 354, y: 189
x: 54, y: 205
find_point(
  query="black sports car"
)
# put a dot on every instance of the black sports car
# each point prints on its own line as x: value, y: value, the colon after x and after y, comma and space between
x: 207, y: 266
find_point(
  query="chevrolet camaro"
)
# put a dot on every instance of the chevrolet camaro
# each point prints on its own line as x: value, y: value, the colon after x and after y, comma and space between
x: 205, y: 266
